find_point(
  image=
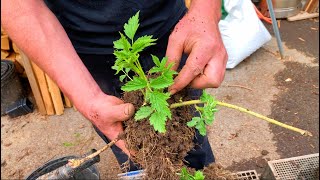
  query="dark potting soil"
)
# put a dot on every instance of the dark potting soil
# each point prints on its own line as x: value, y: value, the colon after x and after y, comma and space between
x: 161, y: 155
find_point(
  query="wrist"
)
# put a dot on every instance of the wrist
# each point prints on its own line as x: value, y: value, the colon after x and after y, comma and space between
x: 209, y: 9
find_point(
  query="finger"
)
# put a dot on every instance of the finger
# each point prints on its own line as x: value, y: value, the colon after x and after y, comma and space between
x: 121, y: 112
x: 174, y: 50
x: 194, y: 66
x: 213, y: 74
x: 121, y: 144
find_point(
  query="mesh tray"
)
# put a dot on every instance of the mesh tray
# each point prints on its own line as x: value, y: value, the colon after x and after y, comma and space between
x: 243, y: 175
x: 297, y: 168
x: 246, y: 175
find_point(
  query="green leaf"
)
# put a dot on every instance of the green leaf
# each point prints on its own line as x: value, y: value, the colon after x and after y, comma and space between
x: 131, y: 27
x: 135, y: 84
x: 122, y: 77
x: 184, y: 174
x: 122, y: 43
x: 159, y: 102
x: 158, y: 121
x: 194, y: 121
x: 161, y: 82
x: 156, y: 60
x: 164, y: 62
x: 143, y: 112
x: 155, y: 70
x: 198, y: 175
x: 141, y: 43
x: 202, y: 128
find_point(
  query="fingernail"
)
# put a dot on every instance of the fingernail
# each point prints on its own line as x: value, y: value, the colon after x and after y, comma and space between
x: 172, y: 91
x: 128, y: 110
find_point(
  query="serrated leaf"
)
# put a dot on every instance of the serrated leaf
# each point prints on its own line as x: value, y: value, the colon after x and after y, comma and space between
x: 135, y: 84
x: 184, y: 174
x: 121, y: 78
x: 161, y: 82
x: 131, y: 27
x: 202, y: 128
x: 198, y: 175
x: 164, y: 61
x: 122, y: 43
x: 156, y: 60
x: 141, y: 43
x: 143, y: 112
x: 155, y: 70
x: 194, y: 121
x: 158, y: 121
x: 158, y: 100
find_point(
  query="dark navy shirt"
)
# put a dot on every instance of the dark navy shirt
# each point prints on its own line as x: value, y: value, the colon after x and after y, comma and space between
x: 93, y: 25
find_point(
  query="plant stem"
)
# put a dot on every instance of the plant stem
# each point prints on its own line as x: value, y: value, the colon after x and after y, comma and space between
x: 77, y: 162
x: 273, y: 121
x: 186, y: 103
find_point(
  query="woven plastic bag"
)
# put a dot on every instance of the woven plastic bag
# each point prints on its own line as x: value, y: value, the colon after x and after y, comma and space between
x: 241, y: 30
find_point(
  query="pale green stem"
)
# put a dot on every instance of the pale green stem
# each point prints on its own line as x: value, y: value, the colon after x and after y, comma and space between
x: 273, y: 121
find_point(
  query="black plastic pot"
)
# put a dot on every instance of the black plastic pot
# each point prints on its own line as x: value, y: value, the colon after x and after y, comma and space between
x: 19, y: 108
x: 88, y: 171
x: 11, y: 88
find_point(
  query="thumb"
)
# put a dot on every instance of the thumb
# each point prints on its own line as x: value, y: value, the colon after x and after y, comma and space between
x: 122, y: 112
x: 174, y: 50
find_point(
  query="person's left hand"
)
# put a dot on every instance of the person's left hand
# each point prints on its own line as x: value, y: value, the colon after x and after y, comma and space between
x: 199, y: 37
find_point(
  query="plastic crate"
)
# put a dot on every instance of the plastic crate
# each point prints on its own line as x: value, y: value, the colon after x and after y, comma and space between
x: 243, y: 175
x: 246, y: 175
x: 297, y: 168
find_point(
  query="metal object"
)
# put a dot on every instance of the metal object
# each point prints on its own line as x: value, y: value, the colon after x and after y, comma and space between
x: 275, y: 28
x: 300, y: 168
x: 286, y: 8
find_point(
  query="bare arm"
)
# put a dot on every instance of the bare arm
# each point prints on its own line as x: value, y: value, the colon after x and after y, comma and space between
x: 35, y: 29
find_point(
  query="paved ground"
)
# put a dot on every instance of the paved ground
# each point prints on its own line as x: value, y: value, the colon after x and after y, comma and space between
x: 287, y: 90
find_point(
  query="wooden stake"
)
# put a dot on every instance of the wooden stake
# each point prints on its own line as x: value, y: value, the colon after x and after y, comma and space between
x: 67, y: 101
x: 303, y: 15
x: 44, y: 89
x: 33, y: 83
x: 55, y: 95
x: 5, y: 43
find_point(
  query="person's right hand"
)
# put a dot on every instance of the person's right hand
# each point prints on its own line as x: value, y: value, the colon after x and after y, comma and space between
x: 107, y: 113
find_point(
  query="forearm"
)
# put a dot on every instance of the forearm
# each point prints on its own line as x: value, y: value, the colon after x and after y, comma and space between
x: 211, y: 9
x: 35, y: 29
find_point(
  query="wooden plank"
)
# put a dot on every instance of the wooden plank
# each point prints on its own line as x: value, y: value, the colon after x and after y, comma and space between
x: 15, y: 48
x: 43, y: 89
x: 311, y: 6
x: 5, y: 43
x: 55, y: 95
x: 33, y: 83
x: 4, y: 54
x: 303, y: 15
x: 67, y: 101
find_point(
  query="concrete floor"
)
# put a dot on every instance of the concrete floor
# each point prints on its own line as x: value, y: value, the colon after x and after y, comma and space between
x: 239, y: 141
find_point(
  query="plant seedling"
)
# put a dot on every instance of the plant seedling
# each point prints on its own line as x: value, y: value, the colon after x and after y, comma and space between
x: 154, y: 84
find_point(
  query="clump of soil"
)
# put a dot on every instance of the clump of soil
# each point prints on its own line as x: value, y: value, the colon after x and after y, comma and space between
x: 161, y: 155
x: 217, y: 172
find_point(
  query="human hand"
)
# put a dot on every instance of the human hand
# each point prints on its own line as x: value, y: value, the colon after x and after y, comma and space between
x: 107, y: 113
x: 197, y: 34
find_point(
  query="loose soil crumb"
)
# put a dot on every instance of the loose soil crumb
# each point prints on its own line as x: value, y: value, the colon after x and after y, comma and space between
x: 217, y: 172
x: 161, y: 155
